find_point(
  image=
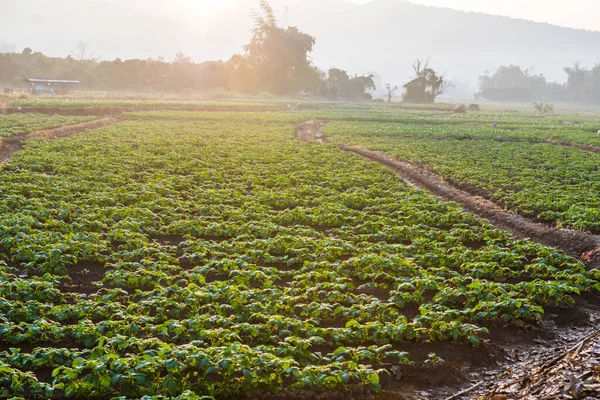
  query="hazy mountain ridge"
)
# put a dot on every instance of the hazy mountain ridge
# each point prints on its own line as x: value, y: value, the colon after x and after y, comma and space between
x: 382, y: 36
x: 390, y: 34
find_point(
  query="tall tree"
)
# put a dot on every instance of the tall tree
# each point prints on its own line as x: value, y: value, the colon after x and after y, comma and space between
x: 276, y: 57
x: 339, y: 85
x: 391, y: 90
x: 513, y: 83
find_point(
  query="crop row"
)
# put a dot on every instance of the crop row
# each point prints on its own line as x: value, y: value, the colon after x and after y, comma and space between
x: 554, y: 183
x: 179, y: 257
x: 19, y: 124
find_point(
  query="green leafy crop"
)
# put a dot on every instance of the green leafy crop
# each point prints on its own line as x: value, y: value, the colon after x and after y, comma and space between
x: 200, y: 257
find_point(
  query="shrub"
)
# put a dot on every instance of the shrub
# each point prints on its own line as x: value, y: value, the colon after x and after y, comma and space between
x: 543, y: 108
x: 461, y: 109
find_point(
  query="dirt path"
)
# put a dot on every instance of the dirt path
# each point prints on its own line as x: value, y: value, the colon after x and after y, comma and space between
x: 584, y: 147
x: 310, y: 130
x: 12, y: 144
x: 581, y: 245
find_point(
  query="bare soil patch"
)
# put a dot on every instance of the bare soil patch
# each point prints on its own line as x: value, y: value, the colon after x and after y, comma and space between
x: 83, y: 276
x: 168, y: 240
x: 568, y: 370
x: 310, y: 130
x: 584, y: 147
x: 70, y: 130
x: 7, y: 148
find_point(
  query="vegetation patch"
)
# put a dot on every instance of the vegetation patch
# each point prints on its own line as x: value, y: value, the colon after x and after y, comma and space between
x: 186, y: 257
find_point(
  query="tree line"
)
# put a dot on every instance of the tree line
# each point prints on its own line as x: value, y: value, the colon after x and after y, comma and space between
x: 276, y: 60
x: 513, y: 83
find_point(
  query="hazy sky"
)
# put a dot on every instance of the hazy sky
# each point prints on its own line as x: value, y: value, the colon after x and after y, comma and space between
x: 583, y: 14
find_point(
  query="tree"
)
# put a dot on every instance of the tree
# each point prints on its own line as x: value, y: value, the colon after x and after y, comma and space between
x: 275, y: 57
x: 182, y: 58
x: 339, y: 85
x: 390, y: 91
x: 27, y: 51
x: 506, y: 77
x: 576, y: 82
x: 583, y: 84
x: 360, y: 86
x: 512, y: 83
x: 427, y: 85
x: 82, y: 51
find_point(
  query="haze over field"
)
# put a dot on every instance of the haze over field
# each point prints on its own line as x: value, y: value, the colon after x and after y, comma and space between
x: 379, y: 36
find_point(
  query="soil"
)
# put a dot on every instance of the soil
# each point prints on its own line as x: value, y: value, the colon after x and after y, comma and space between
x: 83, y: 276
x: 564, y: 366
x: 584, y: 147
x: 8, y: 148
x: 168, y: 240
x: 352, y: 392
x: 310, y: 130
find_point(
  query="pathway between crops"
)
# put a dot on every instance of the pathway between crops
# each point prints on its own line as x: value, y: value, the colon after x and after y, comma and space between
x: 9, y: 145
x: 581, y: 245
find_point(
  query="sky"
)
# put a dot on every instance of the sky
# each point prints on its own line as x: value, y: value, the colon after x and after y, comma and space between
x: 583, y: 14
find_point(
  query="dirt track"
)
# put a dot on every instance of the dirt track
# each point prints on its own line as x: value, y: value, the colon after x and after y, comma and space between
x: 583, y: 147
x: 310, y: 130
x: 581, y: 245
x: 14, y: 143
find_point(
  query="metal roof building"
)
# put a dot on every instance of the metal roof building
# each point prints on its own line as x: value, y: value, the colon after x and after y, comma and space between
x: 50, y: 86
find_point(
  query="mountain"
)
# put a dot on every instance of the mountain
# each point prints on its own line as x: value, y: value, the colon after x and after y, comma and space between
x: 387, y: 35
x: 382, y: 36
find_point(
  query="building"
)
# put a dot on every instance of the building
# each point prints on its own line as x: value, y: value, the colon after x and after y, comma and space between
x: 50, y: 86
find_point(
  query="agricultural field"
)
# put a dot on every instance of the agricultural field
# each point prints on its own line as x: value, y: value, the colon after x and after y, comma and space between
x: 331, y: 112
x: 21, y: 124
x: 198, y: 255
x: 83, y: 102
x: 535, y: 170
x: 224, y: 103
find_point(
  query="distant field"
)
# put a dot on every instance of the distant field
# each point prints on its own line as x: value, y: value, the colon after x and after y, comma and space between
x: 117, y: 102
x: 187, y: 254
x: 181, y: 102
